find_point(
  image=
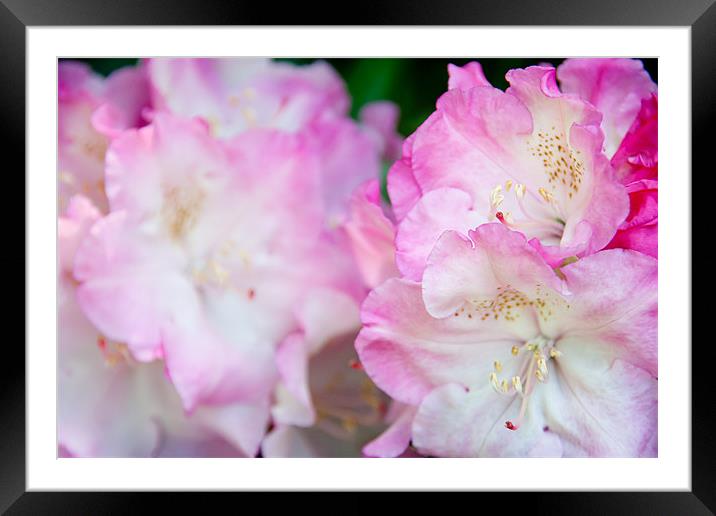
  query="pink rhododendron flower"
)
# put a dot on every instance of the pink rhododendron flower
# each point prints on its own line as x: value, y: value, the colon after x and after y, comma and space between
x: 92, y: 110
x: 110, y: 405
x: 501, y: 357
x: 221, y: 223
x: 530, y: 158
x: 237, y: 94
x: 636, y: 163
x: 207, y: 251
x: 222, y: 250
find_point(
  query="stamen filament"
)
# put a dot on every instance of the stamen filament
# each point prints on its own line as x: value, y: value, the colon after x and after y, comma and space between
x: 533, y: 369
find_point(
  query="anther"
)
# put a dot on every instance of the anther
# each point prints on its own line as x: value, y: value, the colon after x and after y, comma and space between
x: 495, y: 383
x: 517, y: 384
x: 547, y: 196
x: 496, y: 196
x: 542, y: 364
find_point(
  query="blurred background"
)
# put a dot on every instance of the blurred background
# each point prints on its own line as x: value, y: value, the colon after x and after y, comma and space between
x: 413, y: 84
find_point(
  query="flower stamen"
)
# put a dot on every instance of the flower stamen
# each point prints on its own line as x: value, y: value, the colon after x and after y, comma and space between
x: 532, y: 368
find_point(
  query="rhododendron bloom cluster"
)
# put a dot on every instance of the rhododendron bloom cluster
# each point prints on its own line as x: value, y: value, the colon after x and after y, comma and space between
x: 208, y: 284
x: 233, y: 283
x: 523, y: 318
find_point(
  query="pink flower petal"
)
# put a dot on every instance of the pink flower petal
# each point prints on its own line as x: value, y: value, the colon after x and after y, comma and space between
x: 407, y: 352
x: 466, y: 77
x: 614, y: 302
x: 638, y: 155
x: 473, y: 270
x: 371, y: 235
x: 615, y: 87
x: 382, y: 117
x: 437, y: 211
x: 395, y: 439
x: 530, y: 157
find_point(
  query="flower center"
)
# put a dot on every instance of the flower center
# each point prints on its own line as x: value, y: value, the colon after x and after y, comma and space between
x: 532, y: 358
x: 536, y: 215
x: 219, y: 270
x: 541, y: 211
x: 180, y: 210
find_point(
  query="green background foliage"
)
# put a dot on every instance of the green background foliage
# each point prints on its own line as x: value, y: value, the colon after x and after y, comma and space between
x: 413, y: 84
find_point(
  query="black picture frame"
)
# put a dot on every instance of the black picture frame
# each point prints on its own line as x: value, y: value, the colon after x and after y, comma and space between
x: 17, y: 15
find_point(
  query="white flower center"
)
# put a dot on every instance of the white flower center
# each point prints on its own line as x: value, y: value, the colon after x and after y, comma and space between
x: 180, y: 210
x: 543, y: 212
x: 533, y: 357
x: 539, y: 216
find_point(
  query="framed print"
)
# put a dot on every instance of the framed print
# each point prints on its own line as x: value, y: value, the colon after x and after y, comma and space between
x: 310, y: 257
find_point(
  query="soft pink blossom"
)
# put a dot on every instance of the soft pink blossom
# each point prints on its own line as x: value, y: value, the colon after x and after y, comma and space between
x: 530, y: 157
x: 225, y: 240
x: 239, y: 94
x: 91, y: 111
x: 502, y: 357
x: 209, y: 248
x: 236, y: 94
x: 110, y: 405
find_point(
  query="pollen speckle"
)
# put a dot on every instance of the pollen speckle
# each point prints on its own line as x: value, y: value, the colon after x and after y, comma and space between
x: 561, y: 163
